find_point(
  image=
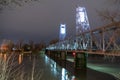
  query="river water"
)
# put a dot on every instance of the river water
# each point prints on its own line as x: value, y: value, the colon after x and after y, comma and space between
x: 50, y: 70
x: 41, y: 67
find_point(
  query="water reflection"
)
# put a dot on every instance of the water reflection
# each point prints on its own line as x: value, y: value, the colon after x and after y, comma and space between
x: 0, y: 55
x: 50, y: 68
x: 64, y: 76
x: 8, y: 56
x: 58, y: 70
x: 3, y: 56
x: 46, y: 60
x: 20, y: 58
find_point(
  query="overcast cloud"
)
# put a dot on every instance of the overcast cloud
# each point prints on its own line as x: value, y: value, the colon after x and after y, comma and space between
x: 41, y: 21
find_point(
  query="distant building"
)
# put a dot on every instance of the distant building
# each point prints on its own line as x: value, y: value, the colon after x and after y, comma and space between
x: 62, y: 33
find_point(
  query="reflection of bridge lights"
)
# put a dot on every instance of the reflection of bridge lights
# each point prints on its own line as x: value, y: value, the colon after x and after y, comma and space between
x: 73, y: 78
x: 63, y: 74
x: 5, y: 57
x: 46, y: 59
x: 0, y: 55
x: 53, y: 66
x: 20, y: 59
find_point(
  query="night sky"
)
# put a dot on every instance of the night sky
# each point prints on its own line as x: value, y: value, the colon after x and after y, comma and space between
x: 40, y: 21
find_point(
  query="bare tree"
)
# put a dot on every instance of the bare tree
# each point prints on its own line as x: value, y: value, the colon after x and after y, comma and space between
x: 5, y: 3
x: 107, y: 15
x: 11, y: 70
x: 53, y: 41
x: 116, y: 1
x: 111, y: 15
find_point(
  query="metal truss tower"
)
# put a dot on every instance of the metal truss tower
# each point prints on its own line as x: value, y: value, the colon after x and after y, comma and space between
x: 82, y: 23
x: 62, y: 33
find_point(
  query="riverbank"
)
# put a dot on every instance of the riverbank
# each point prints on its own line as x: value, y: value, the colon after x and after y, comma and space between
x: 96, y: 75
x: 100, y: 64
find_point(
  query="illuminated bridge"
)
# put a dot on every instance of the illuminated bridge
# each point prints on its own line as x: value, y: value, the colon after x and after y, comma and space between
x: 104, y: 40
x: 102, y: 43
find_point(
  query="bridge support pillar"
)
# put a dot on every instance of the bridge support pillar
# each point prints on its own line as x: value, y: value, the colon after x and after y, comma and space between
x: 63, y: 55
x: 63, y: 58
x: 80, y: 60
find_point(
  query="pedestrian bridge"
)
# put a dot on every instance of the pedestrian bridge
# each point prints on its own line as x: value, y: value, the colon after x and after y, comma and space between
x: 103, y: 40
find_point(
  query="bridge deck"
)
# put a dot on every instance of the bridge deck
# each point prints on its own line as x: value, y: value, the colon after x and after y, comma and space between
x: 108, y: 53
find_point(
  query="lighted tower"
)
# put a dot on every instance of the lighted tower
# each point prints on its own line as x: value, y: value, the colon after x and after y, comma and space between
x: 62, y: 33
x: 82, y: 23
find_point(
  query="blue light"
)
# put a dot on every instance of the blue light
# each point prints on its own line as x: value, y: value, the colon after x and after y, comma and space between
x: 62, y: 31
x: 82, y: 23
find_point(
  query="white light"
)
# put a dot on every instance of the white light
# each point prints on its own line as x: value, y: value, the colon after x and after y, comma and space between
x: 73, y: 77
x: 82, y: 23
x: 82, y: 16
x: 46, y: 59
x: 62, y: 29
x: 63, y: 74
